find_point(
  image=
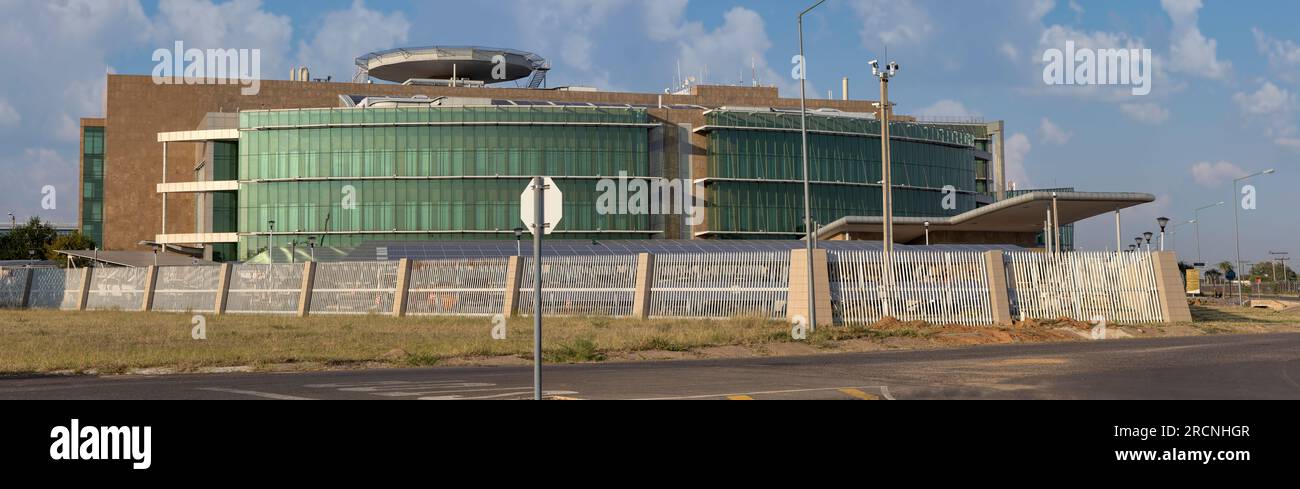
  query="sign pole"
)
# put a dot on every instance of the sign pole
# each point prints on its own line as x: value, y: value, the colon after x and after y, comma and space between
x: 539, y: 228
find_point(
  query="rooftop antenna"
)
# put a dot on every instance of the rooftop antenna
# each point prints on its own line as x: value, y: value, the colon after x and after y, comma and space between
x: 678, y: 82
x: 753, y: 72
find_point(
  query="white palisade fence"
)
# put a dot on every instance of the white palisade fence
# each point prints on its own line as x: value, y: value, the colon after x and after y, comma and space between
x: 1083, y: 284
x: 721, y: 285
x: 581, y: 285
x: 472, y: 287
x: 938, y: 287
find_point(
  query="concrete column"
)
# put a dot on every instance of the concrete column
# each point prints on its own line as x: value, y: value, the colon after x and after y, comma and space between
x: 514, y: 275
x: 223, y: 289
x: 1173, y: 297
x: 797, y: 300
x: 150, y: 281
x: 308, y: 281
x: 999, y: 295
x: 84, y: 295
x: 403, y: 285
x: 645, y: 269
x: 27, y: 289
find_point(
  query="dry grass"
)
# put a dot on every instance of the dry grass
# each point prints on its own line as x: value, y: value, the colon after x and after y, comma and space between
x: 41, y: 341
x: 113, y: 342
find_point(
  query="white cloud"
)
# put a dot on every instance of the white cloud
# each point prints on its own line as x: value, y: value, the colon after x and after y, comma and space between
x: 9, y: 116
x: 1280, y: 52
x: 1268, y: 100
x: 345, y: 34
x: 891, y: 22
x: 1056, y: 37
x: 236, y: 24
x: 1146, y: 113
x: 1017, y: 152
x: 1038, y: 8
x: 1292, y: 143
x: 1190, y: 51
x: 945, y: 108
x: 569, y: 27
x: 41, y: 166
x: 1051, y: 133
x: 1214, y: 174
x: 1010, y: 51
x: 1076, y: 8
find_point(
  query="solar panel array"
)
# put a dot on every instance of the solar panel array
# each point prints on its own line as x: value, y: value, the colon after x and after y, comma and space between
x: 443, y: 250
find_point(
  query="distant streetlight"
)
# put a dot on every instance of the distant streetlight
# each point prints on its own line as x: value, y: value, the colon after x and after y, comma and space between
x: 1148, y: 236
x: 1197, y: 220
x: 1236, y: 228
x: 519, y: 247
x: 1139, y: 242
x: 270, y: 241
x: 807, y: 205
x: 927, y: 233
x: 1162, y: 221
x: 311, y: 243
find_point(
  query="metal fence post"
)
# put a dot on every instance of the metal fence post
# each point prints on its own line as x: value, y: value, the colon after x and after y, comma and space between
x: 645, y: 267
x: 403, y: 285
x: 150, y: 282
x: 308, y: 281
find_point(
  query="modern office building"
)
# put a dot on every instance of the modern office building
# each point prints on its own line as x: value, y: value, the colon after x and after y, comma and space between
x: 444, y: 151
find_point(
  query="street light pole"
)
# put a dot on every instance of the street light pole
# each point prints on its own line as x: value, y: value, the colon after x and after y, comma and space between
x: 1197, y: 221
x: 807, y: 205
x: 1236, y: 227
x: 1162, y: 221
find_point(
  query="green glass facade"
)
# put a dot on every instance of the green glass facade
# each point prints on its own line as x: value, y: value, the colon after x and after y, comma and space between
x: 755, y: 167
x: 92, y: 183
x: 350, y: 175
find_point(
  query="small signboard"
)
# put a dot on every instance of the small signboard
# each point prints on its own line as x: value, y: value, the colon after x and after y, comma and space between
x: 1193, y: 281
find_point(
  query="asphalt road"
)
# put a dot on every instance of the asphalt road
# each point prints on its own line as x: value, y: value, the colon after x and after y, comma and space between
x: 1261, y: 366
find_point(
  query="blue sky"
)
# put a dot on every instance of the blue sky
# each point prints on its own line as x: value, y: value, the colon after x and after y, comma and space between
x: 1223, y: 102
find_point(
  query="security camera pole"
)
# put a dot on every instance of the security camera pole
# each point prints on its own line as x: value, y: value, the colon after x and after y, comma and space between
x: 886, y: 184
x: 807, y: 206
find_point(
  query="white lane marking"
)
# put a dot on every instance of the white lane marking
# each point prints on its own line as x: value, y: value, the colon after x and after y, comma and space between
x: 884, y: 391
x: 267, y: 395
x: 494, y: 396
x: 425, y: 393
x: 789, y: 391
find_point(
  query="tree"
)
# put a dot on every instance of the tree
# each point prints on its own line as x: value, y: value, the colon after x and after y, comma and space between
x: 1213, y: 275
x: 25, y: 239
x: 73, y: 241
x: 1225, y: 267
x: 1269, y: 271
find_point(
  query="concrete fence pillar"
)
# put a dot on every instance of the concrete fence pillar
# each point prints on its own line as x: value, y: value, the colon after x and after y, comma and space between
x: 1169, y: 285
x: 645, y: 270
x: 403, y: 285
x: 308, y: 281
x: 797, y: 300
x: 223, y: 289
x: 514, y: 275
x: 83, y: 296
x: 27, y: 289
x: 999, y: 294
x: 150, y: 282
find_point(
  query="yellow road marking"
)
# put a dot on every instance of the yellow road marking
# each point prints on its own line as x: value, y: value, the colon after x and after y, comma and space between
x: 859, y: 394
x: 739, y: 398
